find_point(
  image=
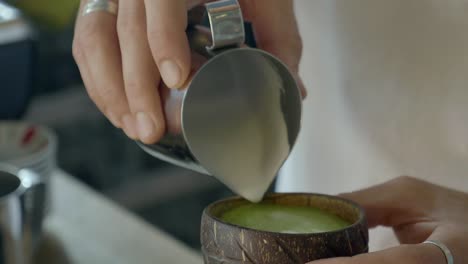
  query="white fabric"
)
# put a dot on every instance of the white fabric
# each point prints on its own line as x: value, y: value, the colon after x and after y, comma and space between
x: 388, y: 96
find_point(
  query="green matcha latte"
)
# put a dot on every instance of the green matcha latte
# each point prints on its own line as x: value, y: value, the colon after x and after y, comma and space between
x: 283, y: 218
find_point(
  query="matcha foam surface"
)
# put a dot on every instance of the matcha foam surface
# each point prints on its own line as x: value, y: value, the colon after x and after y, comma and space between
x: 284, y: 218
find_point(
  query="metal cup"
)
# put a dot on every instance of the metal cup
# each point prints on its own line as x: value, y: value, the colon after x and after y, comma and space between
x: 25, y: 145
x: 230, y: 86
x: 19, y: 215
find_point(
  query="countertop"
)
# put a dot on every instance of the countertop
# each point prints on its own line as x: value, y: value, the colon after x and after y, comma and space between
x: 84, y: 227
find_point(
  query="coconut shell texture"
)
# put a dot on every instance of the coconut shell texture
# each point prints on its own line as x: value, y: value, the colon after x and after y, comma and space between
x: 226, y: 243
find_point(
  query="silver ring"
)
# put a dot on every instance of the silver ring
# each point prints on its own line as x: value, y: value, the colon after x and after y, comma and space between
x: 108, y: 6
x: 444, y: 248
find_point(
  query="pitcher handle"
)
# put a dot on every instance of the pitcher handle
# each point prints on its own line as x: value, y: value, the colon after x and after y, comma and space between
x: 226, y: 23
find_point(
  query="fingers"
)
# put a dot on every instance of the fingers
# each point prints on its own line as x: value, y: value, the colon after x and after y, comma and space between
x: 167, y: 21
x: 173, y: 98
x: 140, y: 73
x: 96, y: 51
x: 395, y: 203
x: 276, y: 31
x: 408, y: 254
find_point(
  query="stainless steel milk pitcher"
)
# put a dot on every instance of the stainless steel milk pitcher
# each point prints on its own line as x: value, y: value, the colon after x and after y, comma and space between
x: 234, y: 92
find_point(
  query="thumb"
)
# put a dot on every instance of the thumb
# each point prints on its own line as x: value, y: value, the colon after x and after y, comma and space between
x: 276, y: 31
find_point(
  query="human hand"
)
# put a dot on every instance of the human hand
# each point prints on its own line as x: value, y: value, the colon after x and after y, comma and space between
x: 122, y: 59
x: 417, y: 211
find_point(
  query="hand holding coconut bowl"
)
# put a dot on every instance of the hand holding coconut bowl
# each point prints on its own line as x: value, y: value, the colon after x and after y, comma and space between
x: 237, y: 118
x: 430, y: 222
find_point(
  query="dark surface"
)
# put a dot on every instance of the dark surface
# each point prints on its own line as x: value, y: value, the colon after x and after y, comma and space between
x: 182, y: 216
x: 16, y: 73
x: 226, y: 243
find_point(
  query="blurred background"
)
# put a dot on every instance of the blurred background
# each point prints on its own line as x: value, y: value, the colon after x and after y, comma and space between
x: 40, y: 82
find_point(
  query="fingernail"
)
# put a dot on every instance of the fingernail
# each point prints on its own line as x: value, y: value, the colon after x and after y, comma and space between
x: 129, y: 126
x: 114, y: 120
x: 145, y: 126
x: 170, y: 73
x: 301, y: 85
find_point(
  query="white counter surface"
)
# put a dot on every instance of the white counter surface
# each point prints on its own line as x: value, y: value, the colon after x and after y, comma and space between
x: 86, y: 228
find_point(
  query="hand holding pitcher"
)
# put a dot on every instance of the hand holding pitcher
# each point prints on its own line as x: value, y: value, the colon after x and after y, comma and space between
x: 125, y: 53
